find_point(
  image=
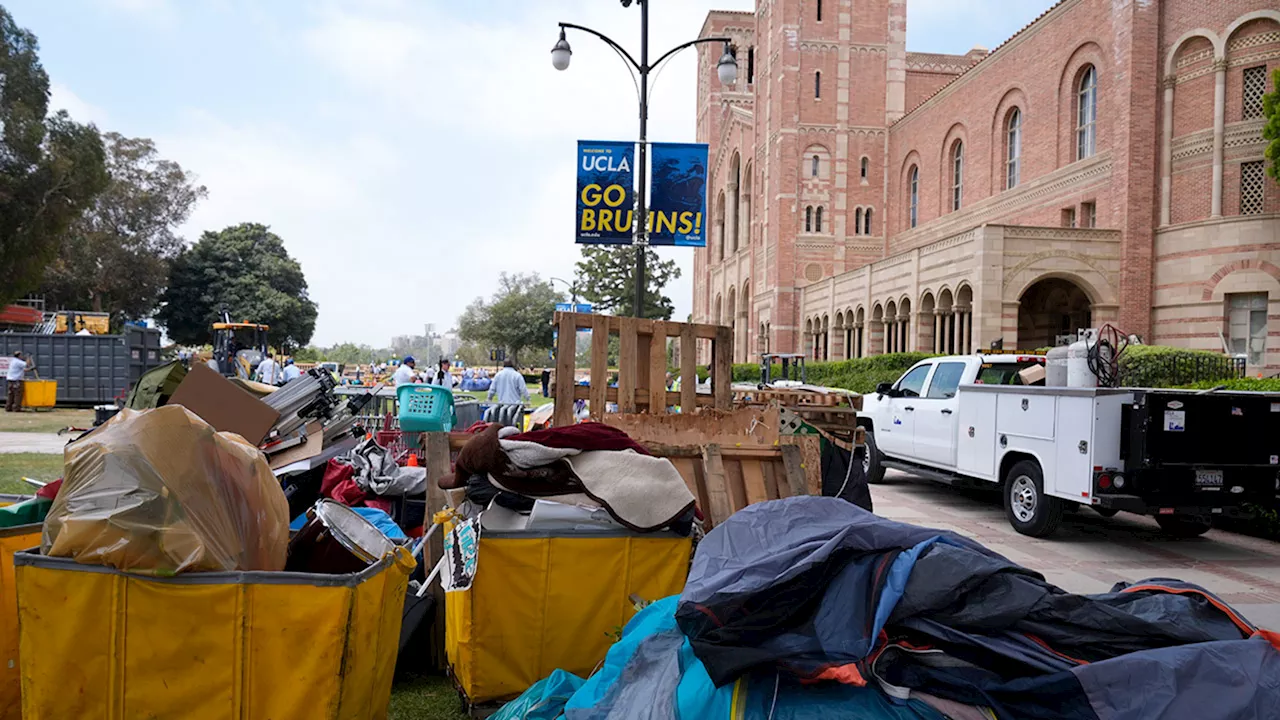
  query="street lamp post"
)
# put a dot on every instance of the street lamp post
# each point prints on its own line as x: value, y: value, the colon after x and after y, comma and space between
x: 573, y: 290
x: 727, y: 69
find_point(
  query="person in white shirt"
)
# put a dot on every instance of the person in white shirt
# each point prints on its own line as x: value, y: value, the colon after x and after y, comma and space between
x: 291, y: 371
x: 406, y: 372
x: 269, y: 371
x: 18, y: 367
x: 442, y: 377
x: 509, y: 386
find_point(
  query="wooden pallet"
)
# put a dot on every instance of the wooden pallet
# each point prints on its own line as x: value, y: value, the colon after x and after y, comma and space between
x: 788, y: 397
x: 727, y: 479
x: 642, y: 366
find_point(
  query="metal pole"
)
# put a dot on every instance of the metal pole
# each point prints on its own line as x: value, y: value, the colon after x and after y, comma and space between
x: 641, y: 242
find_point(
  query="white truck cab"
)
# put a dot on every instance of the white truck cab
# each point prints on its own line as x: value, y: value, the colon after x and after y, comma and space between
x: 1183, y: 457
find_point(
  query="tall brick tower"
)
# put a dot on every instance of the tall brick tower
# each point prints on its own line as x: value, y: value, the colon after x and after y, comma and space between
x: 799, y: 143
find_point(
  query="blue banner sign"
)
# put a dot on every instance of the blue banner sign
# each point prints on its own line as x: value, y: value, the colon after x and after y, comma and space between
x: 678, y: 201
x: 606, y: 183
x: 570, y: 307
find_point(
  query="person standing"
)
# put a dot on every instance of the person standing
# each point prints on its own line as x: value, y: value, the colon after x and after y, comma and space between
x: 546, y: 382
x: 442, y: 377
x: 291, y: 371
x: 18, y: 367
x: 406, y: 373
x: 269, y: 370
x: 508, y: 386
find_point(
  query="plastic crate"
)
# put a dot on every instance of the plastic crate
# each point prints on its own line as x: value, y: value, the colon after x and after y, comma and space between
x: 425, y: 408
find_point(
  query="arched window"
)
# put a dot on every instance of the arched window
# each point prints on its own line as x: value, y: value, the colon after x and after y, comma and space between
x: 957, y: 175
x: 817, y: 84
x: 1013, y: 149
x: 914, y: 191
x: 817, y: 220
x: 1087, y: 114
x: 857, y: 221
x: 817, y: 162
x: 865, y: 167
x: 808, y: 219
x: 866, y: 219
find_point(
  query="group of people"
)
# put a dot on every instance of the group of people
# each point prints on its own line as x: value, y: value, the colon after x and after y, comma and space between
x: 271, y: 372
x: 506, y: 388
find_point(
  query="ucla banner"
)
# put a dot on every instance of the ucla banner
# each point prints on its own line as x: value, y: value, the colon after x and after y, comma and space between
x: 606, y: 181
x: 678, y: 206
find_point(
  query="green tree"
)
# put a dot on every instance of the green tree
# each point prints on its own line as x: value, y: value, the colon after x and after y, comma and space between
x: 1271, y: 131
x: 246, y: 268
x: 516, y: 319
x: 607, y: 276
x: 116, y: 256
x: 50, y: 167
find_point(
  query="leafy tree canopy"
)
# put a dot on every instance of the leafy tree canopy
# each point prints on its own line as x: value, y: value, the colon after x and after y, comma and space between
x: 50, y: 167
x: 1271, y: 131
x: 246, y: 268
x: 607, y: 278
x: 116, y: 256
x: 517, y: 318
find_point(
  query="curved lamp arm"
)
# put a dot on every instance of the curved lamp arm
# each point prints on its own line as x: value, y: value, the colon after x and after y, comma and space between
x: 691, y: 43
x: 607, y: 40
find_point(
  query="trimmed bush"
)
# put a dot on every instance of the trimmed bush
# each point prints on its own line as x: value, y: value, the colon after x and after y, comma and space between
x: 1244, y: 384
x: 860, y: 375
x: 1163, y: 366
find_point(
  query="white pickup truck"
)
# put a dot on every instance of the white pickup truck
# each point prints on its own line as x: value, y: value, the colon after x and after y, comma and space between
x: 1183, y: 457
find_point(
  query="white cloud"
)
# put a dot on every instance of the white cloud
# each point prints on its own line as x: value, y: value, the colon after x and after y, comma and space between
x: 62, y: 98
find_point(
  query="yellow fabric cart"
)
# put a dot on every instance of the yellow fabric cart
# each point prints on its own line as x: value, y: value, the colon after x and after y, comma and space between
x: 542, y: 601
x: 39, y: 393
x: 12, y: 540
x: 97, y: 643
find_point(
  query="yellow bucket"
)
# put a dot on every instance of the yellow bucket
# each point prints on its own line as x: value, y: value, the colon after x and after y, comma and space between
x: 12, y: 540
x: 542, y: 601
x: 39, y: 393
x: 98, y: 643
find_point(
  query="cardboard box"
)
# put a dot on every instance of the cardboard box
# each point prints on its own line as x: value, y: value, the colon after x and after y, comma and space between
x: 1033, y: 375
x: 226, y: 407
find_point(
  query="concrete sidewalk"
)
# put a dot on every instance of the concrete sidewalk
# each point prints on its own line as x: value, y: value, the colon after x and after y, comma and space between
x: 1090, y: 553
x: 23, y: 442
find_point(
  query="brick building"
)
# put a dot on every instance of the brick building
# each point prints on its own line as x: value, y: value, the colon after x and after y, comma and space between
x: 1103, y: 165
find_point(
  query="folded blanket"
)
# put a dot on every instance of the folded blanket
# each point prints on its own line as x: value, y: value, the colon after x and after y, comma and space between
x: 642, y: 492
x: 525, y: 454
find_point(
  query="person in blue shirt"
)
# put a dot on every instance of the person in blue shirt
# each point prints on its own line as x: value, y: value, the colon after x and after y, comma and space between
x: 508, y: 386
x: 291, y: 371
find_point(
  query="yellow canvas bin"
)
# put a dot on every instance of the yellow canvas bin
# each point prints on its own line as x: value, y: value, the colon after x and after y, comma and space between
x: 39, y: 393
x: 12, y: 540
x: 545, y: 601
x: 99, y: 644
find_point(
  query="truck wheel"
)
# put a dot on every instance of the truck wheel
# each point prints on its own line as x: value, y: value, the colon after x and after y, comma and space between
x: 871, y: 460
x: 1029, y: 510
x: 1184, y: 526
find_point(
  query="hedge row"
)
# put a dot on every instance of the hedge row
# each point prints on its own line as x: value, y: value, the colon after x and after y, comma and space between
x: 861, y: 375
x: 1163, y: 366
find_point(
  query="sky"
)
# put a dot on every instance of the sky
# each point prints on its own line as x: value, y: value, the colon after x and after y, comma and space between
x: 407, y: 151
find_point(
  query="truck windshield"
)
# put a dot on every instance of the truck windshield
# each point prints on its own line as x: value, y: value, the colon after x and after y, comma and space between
x: 1001, y: 373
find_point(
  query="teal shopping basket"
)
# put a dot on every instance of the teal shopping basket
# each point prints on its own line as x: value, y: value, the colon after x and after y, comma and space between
x: 425, y: 408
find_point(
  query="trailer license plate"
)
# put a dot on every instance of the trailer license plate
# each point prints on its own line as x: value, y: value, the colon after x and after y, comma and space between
x: 1209, y: 479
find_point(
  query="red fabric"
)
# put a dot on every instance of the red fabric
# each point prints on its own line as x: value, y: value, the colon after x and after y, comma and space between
x: 477, y: 427
x: 339, y: 485
x: 50, y: 491
x: 583, y: 436
x: 378, y: 503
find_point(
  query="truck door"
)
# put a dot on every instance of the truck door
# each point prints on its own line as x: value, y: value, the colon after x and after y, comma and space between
x: 935, y: 416
x: 895, y: 438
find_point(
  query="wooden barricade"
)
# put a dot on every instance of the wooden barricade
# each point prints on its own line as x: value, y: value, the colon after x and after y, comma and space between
x: 642, y: 366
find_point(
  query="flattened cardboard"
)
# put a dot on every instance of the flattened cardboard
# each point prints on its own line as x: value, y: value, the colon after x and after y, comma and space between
x: 226, y: 407
x: 305, y: 451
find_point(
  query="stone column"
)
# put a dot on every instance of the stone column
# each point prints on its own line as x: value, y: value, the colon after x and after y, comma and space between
x: 937, y: 331
x: 1219, y: 131
x: 955, y: 332
x: 1166, y: 154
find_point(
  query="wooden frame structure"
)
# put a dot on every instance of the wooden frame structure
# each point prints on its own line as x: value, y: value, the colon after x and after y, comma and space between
x: 642, y: 365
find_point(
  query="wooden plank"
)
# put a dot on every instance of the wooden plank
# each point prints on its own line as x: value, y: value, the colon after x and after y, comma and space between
x: 718, y: 506
x: 627, y: 362
x: 690, y: 468
x: 673, y: 398
x: 793, y: 465
x: 658, y: 370
x: 566, y: 358
x: 811, y: 457
x: 772, y: 487
x: 726, y: 451
x: 734, y: 482
x: 436, y: 446
x: 688, y: 367
x: 642, y: 367
x: 753, y: 481
x: 722, y: 368
x: 599, y: 365
x: 855, y: 402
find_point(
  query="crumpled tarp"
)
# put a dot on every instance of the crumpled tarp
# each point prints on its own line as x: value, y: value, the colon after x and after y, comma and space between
x: 161, y: 492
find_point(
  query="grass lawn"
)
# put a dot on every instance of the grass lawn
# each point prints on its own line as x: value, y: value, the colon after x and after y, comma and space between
x: 45, y: 421
x: 535, y: 395
x: 33, y: 465
x: 425, y: 698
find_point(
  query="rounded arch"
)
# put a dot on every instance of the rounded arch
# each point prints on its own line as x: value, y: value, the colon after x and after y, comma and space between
x: 890, y: 311
x: 1090, y: 291
x: 720, y: 217
x: 747, y: 204
x: 808, y: 326
x: 1273, y: 15
x: 1239, y: 265
x: 822, y: 164
x: 877, y: 313
x: 957, y: 136
x: 860, y: 315
x: 715, y: 315
x: 864, y: 169
x: 731, y: 308
x: 1088, y: 53
x: 928, y: 302
x: 1219, y: 47
x: 945, y: 299
x: 964, y: 296
x: 857, y: 221
x: 911, y: 214
x: 1014, y: 100
x: 1051, y: 307
x: 839, y: 324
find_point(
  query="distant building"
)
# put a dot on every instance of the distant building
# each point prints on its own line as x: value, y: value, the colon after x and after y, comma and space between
x: 449, y: 343
x: 1103, y: 165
